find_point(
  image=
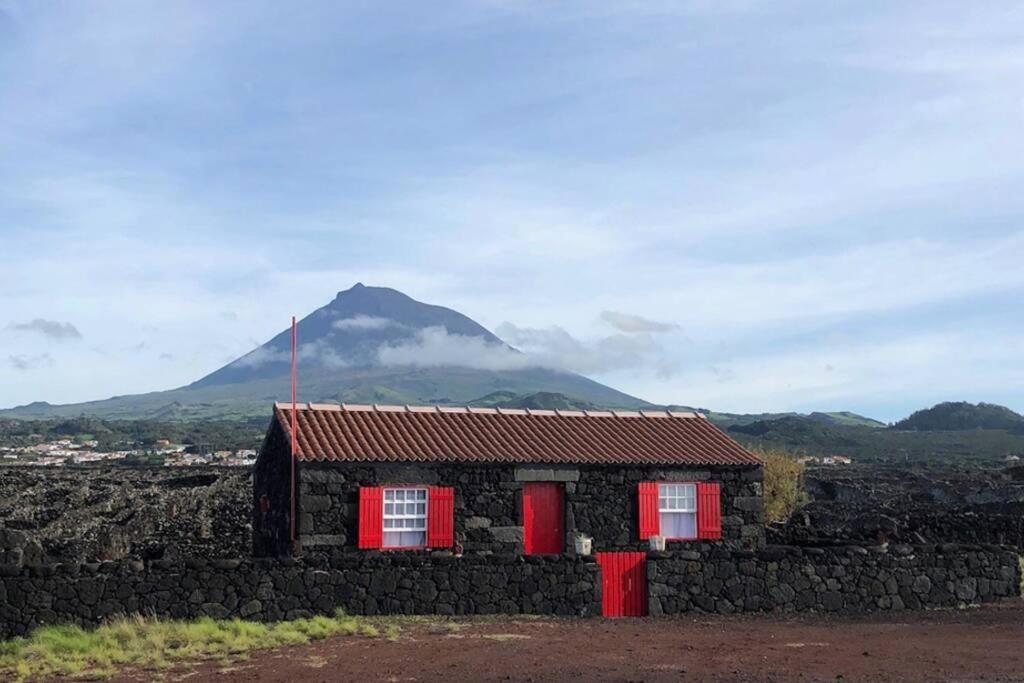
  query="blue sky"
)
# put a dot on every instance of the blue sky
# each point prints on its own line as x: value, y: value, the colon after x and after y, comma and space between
x: 820, y: 201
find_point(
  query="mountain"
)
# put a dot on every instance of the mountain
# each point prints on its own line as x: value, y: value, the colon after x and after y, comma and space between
x: 845, y: 418
x: 368, y: 345
x: 953, y: 416
x: 834, y: 419
x: 870, y: 444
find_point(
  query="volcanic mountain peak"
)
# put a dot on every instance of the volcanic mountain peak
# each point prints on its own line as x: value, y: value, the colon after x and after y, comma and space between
x: 349, y: 332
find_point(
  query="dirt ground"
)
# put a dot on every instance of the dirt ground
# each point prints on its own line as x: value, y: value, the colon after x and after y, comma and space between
x: 966, y: 645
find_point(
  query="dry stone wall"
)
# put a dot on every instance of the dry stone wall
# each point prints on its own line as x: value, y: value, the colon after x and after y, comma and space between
x: 709, y: 579
x: 272, y: 590
x: 848, y: 579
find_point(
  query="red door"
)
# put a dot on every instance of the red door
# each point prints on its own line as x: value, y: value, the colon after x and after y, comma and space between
x: 543, y: 512
x: 623, y: 584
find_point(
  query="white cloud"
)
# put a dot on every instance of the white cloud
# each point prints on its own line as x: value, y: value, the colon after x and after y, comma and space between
x: 435, y: 347
x: 318, y: 353
x: 556, y: 348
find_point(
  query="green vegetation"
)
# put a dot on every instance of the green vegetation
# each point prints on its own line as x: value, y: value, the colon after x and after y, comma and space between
x: 541, y: 400
x: 148, y: 643
x: 868, y: 444
x: 783, y: 485
x: 960, y: 416
x: 834, y: 419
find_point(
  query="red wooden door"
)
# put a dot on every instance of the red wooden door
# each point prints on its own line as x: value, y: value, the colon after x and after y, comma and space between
x: 623, y: 584
x: 543, y: 512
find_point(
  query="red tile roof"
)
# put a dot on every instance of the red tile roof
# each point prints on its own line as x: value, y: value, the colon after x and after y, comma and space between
x: 360, y: 433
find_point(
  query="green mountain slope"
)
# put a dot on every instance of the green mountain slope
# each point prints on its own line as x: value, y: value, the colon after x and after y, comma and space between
x: 952, y: 416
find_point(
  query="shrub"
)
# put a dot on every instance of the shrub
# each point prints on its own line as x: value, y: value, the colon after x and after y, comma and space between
x: 783, y: 485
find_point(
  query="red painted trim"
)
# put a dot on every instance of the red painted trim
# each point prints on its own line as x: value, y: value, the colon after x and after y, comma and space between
x: 623, y: 583
x: 709, y: 510
x: 440, y: 517
x: 371, y: 517
x: 543, y: 518
x: 648, y: 520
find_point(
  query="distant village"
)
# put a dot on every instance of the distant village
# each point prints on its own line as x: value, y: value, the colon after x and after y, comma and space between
x: 825, y: 460
x: 61, y: 452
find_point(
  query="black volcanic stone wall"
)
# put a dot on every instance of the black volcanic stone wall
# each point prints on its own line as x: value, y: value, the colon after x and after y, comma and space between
x: 272, y: 590
x: 706, y: 579
x: 850, y: 579
x: 104, y: 513
x: 599, y: 501
x: 934, y: 504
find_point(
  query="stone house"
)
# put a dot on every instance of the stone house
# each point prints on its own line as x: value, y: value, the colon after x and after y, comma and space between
x: 431, y: 481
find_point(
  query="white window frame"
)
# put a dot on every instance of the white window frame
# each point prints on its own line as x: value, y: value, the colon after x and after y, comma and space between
x: 386, y: 516
x: 676, y: 505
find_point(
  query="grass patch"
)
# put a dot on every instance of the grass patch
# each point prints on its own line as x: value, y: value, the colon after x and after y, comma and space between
x: 150, y: 643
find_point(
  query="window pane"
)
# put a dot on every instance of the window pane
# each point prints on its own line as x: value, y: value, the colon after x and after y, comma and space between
x: 405, y: 518
x: 404, y: 539
x: 678, y: 524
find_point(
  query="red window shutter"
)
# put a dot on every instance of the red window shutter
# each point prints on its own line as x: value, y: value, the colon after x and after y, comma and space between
x: 709, y: 510
x: 648, y: 520
x: 440, y: 517
x: 371, y: 517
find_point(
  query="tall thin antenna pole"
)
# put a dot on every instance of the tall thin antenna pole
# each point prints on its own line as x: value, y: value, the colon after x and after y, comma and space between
x: 295, y: 443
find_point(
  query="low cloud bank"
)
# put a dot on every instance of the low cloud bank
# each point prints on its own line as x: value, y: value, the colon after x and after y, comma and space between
x: 318, y: 352
x: 554, y: 347
x: 435, y: 347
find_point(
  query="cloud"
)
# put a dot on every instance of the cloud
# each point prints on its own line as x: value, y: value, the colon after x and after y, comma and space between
x: 556, y: 348
x: 626, y: 322
x: 24, y: 363
x: 365, y: 322
x: 317, y: 353
x: 49, y: 328
x: 435, y: 347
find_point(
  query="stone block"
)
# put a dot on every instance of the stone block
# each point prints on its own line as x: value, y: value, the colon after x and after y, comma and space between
x: 315, y: 503
x: 477, y: 522
x: 547, y: 474
x: 747, y: 503
x: 507, y: 534
x: 320, y: 540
